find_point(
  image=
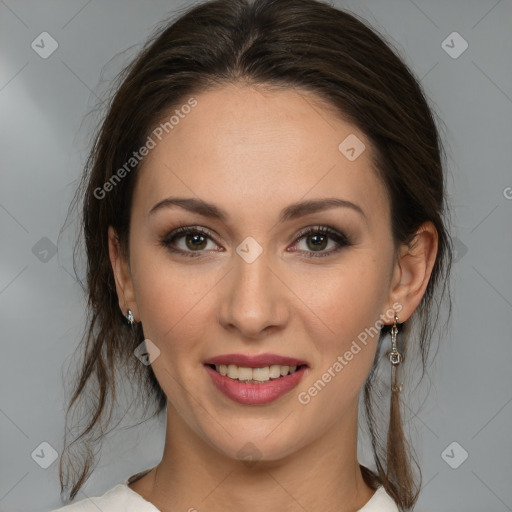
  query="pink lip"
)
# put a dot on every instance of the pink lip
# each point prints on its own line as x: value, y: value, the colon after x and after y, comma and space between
x: 257, y: 361
x: 254, y: 394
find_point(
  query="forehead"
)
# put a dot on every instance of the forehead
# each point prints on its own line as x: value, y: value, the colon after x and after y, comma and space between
x: 246, y: 146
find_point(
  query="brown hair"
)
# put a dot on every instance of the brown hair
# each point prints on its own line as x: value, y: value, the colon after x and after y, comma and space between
x: 304, y: 44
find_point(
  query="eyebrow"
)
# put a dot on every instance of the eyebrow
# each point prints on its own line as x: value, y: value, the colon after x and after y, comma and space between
x: 292, y: 211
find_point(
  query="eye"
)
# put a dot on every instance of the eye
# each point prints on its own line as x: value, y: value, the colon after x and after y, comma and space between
x: 191, y: 241
x: 317, y: 240
x: 194, y: 240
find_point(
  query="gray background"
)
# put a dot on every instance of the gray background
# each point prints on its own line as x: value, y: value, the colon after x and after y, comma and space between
x: 45, y: 135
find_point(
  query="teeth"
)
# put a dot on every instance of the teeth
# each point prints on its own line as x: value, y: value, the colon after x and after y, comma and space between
x: 259, y: 374
x: 232, y: 371
x: 263, y: 374
x: 244, y: 373
x: 274, y: 371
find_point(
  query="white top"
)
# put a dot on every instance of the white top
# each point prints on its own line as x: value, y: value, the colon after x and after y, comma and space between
x: 122, y: 498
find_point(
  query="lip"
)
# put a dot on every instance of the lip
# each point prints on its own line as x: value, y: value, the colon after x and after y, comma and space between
x: 255, y: 394
x: 256, y: 361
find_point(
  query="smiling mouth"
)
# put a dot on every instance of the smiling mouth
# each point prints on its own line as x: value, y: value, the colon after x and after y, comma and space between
x: 255, y: 375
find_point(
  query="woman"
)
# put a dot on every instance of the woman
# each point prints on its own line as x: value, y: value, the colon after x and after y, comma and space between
x: 263, y: 217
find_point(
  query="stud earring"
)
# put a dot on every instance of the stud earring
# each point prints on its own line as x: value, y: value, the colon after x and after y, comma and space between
x: 130, y: 317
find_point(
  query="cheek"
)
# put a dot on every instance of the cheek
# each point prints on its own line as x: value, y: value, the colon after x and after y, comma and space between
x: 344, y: 308
x: 172, y: 302
x: 346, y: 298
x: 176, y: 311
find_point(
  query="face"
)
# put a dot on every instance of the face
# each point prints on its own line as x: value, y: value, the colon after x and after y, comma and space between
x: 263, y: 279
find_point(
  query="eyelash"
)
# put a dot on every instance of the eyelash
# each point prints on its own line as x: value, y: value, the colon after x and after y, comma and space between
x: 340, y: 238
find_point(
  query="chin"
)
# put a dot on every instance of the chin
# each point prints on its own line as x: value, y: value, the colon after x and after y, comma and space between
x: 252, y: 442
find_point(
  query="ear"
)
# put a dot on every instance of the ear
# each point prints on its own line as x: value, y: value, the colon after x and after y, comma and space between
x: 122, y: 275
x: 412, y: 271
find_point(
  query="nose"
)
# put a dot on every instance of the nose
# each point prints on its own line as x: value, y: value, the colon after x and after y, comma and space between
x: 254, y: 301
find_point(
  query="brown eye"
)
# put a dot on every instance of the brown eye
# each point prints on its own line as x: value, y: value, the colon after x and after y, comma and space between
x: 317, y: 240
x: 195, y: 240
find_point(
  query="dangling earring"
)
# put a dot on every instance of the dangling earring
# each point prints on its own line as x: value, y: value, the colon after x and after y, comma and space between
x: 395, y: 437
x: 130, y: 317
x: 394, y: 356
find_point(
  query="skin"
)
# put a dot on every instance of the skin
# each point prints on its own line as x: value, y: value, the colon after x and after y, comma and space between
x: 252, y: 152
